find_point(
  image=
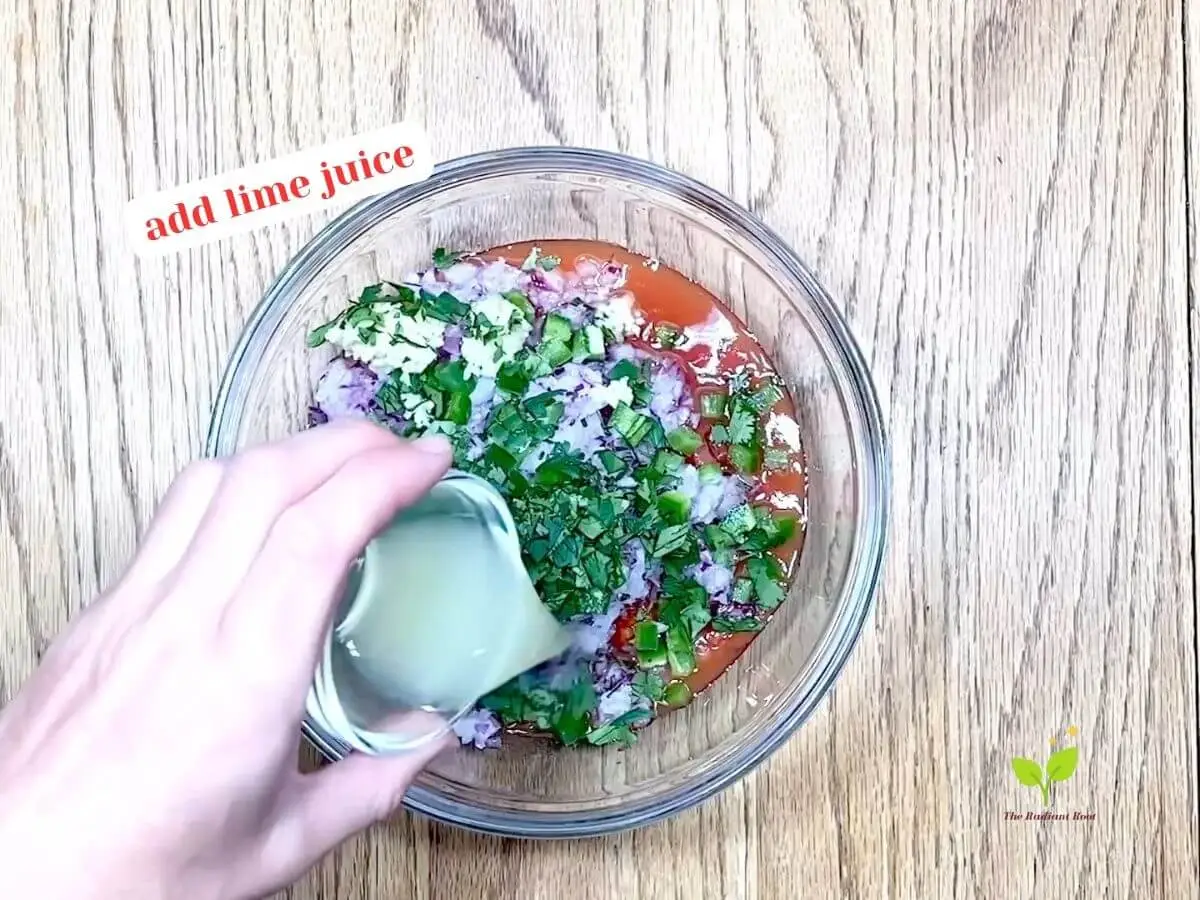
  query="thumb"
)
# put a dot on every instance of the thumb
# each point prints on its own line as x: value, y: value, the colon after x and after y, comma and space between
x: 335, y: 803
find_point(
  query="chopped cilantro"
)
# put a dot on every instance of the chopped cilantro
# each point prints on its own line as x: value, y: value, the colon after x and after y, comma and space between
x: 451, y: 376
x: 565, y: 713
x: 739, y: 522
x: 549, y: 262
x: 607, y: 508
x: 726, y: 625
x: 444, y: 306
x: 620, y: 730
x: 513, y: 378
x: 667, y: 335
x: 655, y: 434
x: 519, y: 426
x: 316, y: 337
x: 536, y: 365
x: 362, y: 316
x: 501, y: 458
x: 561, y: 468
x: 695, y: 616
x: 684, y: 605
x: 546, y: 408
x: 638, y: 379
x: 718, y: 538
x: 649, y: 685
x: 612, y: 463
x: 769, y: 531
x: 766, y: 574
x: 764, y: 398
x: 680, y: 592
x: 774, y: 458
x: 507, y: 701
x: 594, y: 568
x: 671, y: 539
x: 591, y: 529
x: 388, y: 397
x: 625, y: 369
x: 458, y: 408
x: 743, y: 423
x: 443, y: 258
x: 743, y: 591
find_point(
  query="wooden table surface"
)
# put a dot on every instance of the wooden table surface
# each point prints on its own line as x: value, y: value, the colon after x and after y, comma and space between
x: 996, y: 194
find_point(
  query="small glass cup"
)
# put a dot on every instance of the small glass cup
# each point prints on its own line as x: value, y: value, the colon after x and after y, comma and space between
x: 453, y: 647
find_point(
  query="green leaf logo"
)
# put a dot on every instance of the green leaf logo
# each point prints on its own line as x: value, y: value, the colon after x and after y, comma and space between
x: 1059, y: 767
x: 1027, y: 771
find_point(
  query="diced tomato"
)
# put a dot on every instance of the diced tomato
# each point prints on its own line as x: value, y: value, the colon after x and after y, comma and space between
x: 622, y: 636
x: 716, y: 652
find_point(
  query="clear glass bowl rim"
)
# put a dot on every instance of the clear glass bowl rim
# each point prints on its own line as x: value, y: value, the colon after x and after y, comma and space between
x: 873, y: 469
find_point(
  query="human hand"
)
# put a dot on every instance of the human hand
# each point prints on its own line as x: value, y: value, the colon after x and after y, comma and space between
x: 154, y: 752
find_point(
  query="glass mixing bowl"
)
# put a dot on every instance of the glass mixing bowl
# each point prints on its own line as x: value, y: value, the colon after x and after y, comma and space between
x: 530, y: 788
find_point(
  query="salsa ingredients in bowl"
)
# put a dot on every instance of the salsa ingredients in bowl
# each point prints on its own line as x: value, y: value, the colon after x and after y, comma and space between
x: 644, y: 442
x: 532, y: 788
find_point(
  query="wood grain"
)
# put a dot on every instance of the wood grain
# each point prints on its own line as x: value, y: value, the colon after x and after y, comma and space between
x: 1191, y: 17
x: 995, y: 193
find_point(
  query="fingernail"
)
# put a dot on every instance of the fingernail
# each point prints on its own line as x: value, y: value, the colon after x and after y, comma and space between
x: 433, y: 444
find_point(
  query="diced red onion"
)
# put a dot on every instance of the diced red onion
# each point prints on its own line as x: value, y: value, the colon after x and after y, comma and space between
x: 452, y: 341
x: 711, y: 498
x: 346, y: 390
x: 461, y: 274
x: 479, y: 727
x: 670, y: 400
x: 498, y: 277
x: 573, y: 380
x: 730, y: 610
x: 483, y: 398
x: 609, y: 673
x: 614, y: 703
x: 641, y: 573
x: 619, y: 352
x: 712, y: 576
